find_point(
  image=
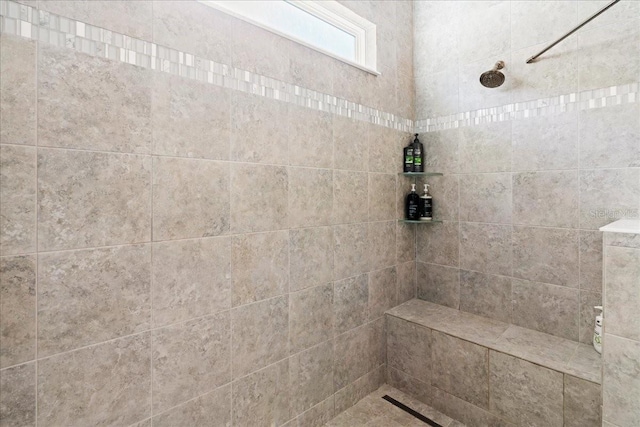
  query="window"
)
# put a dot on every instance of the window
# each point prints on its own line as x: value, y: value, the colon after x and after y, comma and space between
x: 323, y: 25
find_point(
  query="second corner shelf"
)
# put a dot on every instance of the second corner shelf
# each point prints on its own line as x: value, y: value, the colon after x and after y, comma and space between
x: 420, y: 173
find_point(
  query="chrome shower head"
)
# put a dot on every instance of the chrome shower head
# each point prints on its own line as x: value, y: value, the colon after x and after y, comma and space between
x: 493, y: 78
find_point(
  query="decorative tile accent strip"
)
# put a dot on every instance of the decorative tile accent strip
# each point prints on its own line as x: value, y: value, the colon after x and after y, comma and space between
x: 25, y: 21
x: 18, y: 19
x: 577, y: 101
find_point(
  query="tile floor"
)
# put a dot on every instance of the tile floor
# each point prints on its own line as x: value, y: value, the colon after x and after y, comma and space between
x: 373, y: 411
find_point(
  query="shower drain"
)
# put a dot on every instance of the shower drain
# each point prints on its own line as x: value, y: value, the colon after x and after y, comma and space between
x: 411, y: 411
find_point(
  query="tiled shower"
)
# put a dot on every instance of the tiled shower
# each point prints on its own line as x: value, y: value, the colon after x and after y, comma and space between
x: 537, y: 165
x: 199, y: 218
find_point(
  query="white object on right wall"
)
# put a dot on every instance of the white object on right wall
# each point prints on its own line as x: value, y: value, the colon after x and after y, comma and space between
x: 597, y: 331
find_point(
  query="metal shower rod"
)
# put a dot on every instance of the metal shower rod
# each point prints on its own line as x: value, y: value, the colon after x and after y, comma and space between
x: 585, y: 22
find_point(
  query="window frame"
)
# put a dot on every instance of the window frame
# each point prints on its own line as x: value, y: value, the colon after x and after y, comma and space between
x: 331, y: 12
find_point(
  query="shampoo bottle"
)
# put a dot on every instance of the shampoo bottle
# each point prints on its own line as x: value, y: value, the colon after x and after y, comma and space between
x: 418, y: 155
x: 408, y: 158
x: 412, y: 208
x: 426, y: 205
x: 597, y: 331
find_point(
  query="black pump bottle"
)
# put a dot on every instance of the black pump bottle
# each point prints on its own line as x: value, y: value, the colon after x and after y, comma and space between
x: 408, y: 158
x: 418, y: 155
x: 412, y: 205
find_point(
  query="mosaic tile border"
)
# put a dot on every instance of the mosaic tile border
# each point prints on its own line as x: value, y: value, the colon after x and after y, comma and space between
x: 26, y: 21
x: 576, y: 101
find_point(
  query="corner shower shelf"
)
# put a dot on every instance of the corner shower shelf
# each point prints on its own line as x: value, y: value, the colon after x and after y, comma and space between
x: 410, y: 221
x: 420, y: 173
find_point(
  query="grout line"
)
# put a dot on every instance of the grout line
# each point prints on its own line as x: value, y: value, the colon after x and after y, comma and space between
x: 500, y: 275
x: 624, y: 338
x: 139, y: 333
x: 227, y: 384
x: 202, y: 159
x: 37, y: 209
x: 151, y: 291
x: 580, y: 218
x: 232, y: 101
x: 458, y: 264
x: 604, y: 333
x: 151, y: 272
x: 186, y: 239
x: 289, y: 310
x: 239, y: 162
x: 489, y: 375
x: 564, y: 400
x: 231, y: 359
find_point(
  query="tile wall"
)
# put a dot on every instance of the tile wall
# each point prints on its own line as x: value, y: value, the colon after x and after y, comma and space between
x: 177, y: 244
x: 621, y: 340
x: 483, y: 387
x: 488, y: 373
x: 532, y: 168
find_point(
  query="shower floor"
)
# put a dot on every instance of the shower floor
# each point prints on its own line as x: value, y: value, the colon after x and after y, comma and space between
x: 374, y: 411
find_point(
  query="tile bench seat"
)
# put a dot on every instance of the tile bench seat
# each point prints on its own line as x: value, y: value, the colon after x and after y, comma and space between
x: 486, y: 372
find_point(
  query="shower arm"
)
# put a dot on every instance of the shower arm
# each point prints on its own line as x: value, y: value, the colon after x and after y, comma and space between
x: 585, y: 22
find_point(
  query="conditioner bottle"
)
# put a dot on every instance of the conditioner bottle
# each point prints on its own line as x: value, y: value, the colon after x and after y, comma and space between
x: 426, y: 205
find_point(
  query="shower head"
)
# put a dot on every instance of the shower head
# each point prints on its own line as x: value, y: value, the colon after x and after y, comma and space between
x: 493, y: 78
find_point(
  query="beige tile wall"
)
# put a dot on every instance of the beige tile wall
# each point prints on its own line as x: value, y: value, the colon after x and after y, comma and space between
x: 171, y: 249
x: 522, y: 199
x: 481, y: 386
x: 621, y: 330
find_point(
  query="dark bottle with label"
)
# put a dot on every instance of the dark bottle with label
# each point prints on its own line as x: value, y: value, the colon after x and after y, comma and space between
x: 426, y: 205
x: 408, y: 158
x: 412, y: 208
x: 418, y: 155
